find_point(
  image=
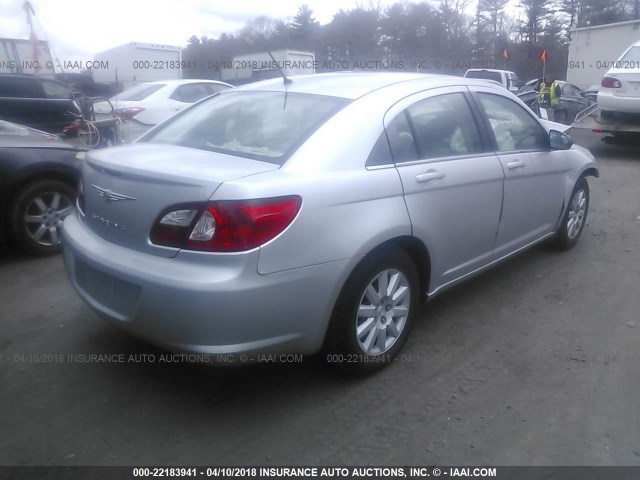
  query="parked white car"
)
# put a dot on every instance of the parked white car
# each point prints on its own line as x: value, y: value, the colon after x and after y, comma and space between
x: 148, y: 104
x: 507, y: 79
x: 620, y: 86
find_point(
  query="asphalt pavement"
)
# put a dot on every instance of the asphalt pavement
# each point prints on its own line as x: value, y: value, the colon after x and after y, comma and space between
x: 535, y: 362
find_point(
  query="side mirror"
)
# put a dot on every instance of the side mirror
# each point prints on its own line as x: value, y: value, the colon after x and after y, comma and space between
x: 559, y: 140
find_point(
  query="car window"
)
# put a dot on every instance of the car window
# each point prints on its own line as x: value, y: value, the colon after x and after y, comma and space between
x: 266, y: 126
x: 56, y: 89
x: 444, y: 127
x: 380, y: 153
x: 216, y: 87
x: 191, y: 92
x: 19, y: 87
x: 513, y: 127
x: 139, y: 92
x: 633, y: 55
x: 401, y: 141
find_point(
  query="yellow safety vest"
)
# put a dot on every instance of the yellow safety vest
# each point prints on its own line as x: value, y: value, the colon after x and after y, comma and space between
x: 552, y: 95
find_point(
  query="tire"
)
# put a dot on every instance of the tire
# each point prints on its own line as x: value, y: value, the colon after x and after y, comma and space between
x: 366, y: 353
x: 575, y: 217
x: 36, y: 215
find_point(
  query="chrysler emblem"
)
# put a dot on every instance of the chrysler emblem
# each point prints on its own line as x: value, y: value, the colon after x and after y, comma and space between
x: 109, y: 196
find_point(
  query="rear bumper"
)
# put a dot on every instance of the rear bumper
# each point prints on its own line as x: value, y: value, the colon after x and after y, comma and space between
x: 202, y: 303
x: 609, y: 102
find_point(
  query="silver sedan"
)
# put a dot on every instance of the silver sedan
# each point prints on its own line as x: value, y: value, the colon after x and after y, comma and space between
x: 314, y: 213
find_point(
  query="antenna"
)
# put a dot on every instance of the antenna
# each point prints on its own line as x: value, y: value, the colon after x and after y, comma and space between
x: 286, y: 80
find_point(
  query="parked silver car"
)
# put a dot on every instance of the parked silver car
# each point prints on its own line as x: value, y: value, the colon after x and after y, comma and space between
x: 287, y: 217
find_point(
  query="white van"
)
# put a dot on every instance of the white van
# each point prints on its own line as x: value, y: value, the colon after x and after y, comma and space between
x: 507, y: 79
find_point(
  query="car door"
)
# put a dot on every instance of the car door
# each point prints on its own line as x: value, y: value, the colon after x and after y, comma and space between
x: 534, y: 181
x: 452, y: 184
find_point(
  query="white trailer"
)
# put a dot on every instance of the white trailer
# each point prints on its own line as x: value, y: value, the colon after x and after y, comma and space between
x: 133, y: 63
x: 23, y: 56
x: 260, y: 65
x: 593, y: 49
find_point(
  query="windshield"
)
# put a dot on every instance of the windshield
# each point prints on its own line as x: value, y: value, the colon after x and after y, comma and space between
x: 484, y: 75
x: 139, y: 92
x: 266, y: 126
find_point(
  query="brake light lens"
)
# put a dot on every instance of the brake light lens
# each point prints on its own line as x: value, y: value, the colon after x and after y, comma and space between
x: 128, y: 113
x: 610, y: 82
x: 226, y: 226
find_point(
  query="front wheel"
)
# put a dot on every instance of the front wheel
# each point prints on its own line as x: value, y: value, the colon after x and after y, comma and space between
x: 374, y: 313
x: 575, y: 217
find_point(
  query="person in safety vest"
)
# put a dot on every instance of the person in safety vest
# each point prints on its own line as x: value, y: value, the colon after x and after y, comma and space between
x: 554, y: 94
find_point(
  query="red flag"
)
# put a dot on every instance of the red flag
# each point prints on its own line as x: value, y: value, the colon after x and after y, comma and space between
x: 505, y: 54
x: 543, y: 57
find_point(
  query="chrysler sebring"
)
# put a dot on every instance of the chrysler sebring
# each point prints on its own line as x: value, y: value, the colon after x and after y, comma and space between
x: 315, y: 213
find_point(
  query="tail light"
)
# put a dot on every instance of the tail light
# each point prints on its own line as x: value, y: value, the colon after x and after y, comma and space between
x: 128, y: 113
x: 610, y: 82
x: 225, y: 226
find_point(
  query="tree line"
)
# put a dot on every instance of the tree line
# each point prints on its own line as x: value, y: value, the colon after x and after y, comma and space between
x: 445, y: 37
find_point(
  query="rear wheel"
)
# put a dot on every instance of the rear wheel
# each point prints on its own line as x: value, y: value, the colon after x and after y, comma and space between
x: 575, y: 217
x: 37, y: 214
x: 374, y: 313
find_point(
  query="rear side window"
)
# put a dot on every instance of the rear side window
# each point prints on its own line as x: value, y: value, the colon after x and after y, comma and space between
x: 381, y: 153
x: 56, y: 89
x: 216, y: 87
x: 19, y: 87
x: 401, y: 141
x: 267, y: 126
x: 139, y: 92
x: 191, y: 92
x: 513, y: 127
x: 444, y: 127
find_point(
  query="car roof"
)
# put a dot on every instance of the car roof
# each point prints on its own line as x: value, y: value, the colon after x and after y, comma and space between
x: 349, y: 85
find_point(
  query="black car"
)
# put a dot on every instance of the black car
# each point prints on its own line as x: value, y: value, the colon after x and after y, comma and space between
x: 571, y: 101
x: 38, y: 178
x: 41, y: 103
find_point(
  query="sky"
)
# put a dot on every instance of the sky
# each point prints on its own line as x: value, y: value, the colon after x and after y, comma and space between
x: 77, y: 29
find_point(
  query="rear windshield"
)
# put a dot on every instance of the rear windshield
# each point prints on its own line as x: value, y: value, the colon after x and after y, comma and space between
x: 484, y: 75
x: 267, y: 126
x: 139, y: 92
x: 633, y: 55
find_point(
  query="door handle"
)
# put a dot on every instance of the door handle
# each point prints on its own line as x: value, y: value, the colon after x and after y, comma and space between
x: 515, y: 164
x: 429, y: 175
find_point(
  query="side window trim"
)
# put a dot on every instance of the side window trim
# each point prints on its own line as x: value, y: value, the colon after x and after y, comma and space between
x: 474, y: 94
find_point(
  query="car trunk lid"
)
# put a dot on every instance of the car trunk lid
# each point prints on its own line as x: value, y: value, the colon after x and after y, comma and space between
x: 630, y: 80
x: 126, y: 188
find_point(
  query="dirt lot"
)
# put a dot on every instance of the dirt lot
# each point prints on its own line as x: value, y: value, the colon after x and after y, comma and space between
x: 533, y: 363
